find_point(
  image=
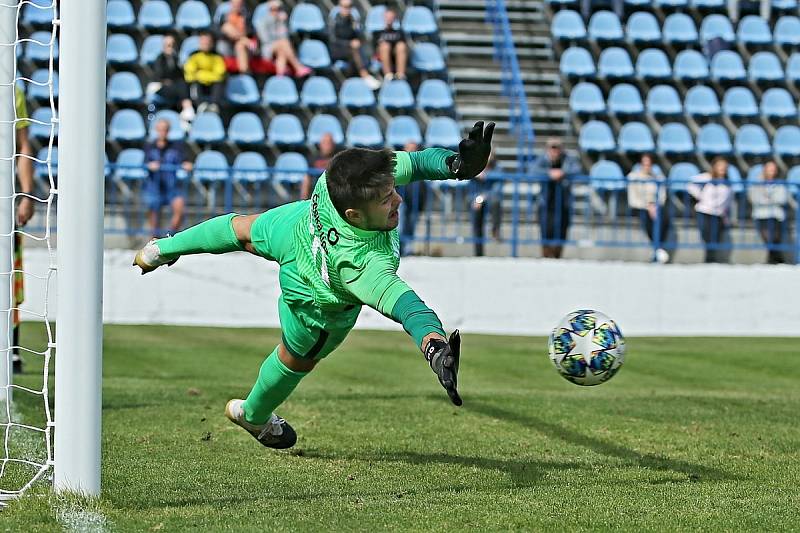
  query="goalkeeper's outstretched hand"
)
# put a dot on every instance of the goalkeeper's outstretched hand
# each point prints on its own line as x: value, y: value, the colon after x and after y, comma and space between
x: 443, y: 358
x: 473, y: 152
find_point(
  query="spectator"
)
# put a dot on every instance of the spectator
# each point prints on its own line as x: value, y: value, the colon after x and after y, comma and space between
x: 714, y: 196
x: 488, y: 195
x: 273, y: 33
x: 414, y: 196
x: 164, y: 158
x: 169, y: 85
x: 769, y: 198
x: 327, y: 149
x: 346, y: 41
x: 765, y: 9
x: 647, y: 197
x: 204, y: 71
x: 392, y: 48
x: 555, y: 199
x: 237, y: 35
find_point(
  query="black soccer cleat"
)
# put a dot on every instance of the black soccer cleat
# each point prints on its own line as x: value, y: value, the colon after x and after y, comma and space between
x: 276, y: 433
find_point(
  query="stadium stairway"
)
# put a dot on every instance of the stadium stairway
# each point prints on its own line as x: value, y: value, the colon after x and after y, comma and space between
x: 476, y: 76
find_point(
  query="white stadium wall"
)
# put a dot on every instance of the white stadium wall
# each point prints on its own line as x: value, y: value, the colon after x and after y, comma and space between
x: 487, y: 295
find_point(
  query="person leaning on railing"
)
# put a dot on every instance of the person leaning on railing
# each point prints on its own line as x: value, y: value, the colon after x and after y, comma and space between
x: 647, y: 196
x: 714, y: 197
x: 769, y: 198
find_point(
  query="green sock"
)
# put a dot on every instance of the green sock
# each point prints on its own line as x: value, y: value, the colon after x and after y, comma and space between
x: 214, y: 236
x: 274, y: 384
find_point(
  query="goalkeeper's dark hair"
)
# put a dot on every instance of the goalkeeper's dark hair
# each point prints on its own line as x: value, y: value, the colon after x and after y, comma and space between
x: 358, y: 175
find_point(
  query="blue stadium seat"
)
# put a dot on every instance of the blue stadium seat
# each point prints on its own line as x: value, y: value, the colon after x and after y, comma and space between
x: 586, y: 99
x: 286, y: 130
x: 787, y: 31
x: 714, y: 139
x: 130, y: 165
x: 126, y: 125
x: 42, y: 131
x: 571, y: 4
x: 40, y: 169
x: 778, y: 104
x: 374, y: 21
x: 714, y: 26
x: 207, y: 128
x: 290, y: 167
x: 318, y: 91
x: 636, y: 5
x: 192, y: 15
x: 396, y: 95
x: 596, y: 137
x: 671, y: 5
x: 567, y: 26
x: 124, y: 88
x: 680, y: 175
x: 443, y: 132
x: 664, y: 101
x: 250, y: 167
x: 793, y: 178
x: 246, y: 128
x: 401, y: 130
x: 642, y: 28
x: 155, y: 15
x: 261, y: 11
x: 752, y: 141
x: 702, y: 102
x: 782, y: 6
x: 635, y: 137
x: 306, y: 18
x: 38, y: 13
x: 189, y: 46
x: 221, y: 12
x: 280, y: 92
x: 765, y: 67
x: 793, y: 68
x: 615, y: 64
x: 576, y: 62
x: 624, y: 100
x: 605, y: 27
x: 355, y: 94
x: 322, y: 124
x: 675, y: 139
x: 607, y: 176
x: 241, y: 89
x: 735, y: 179
x: 314, y: 54
x: 176, y: 132
x: 151, y: 47
x: 427, y: 58
x: 653, y: 65
x: 690, y: 65
x: 121, y: 49
x: 37, y: 49
x: 39, y: 86
x: 120, y: 15
x: 419, y: 20
x: 211, y: 165
x: 679, y: 29
x: 754, y: 31
x: 754, y: 174
x: 739, y: 103
x: 434, y: 95
x: 727, y: 66
x: 786, y: 142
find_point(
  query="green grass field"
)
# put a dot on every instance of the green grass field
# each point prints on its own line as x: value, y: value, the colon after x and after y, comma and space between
x: 700, y: 434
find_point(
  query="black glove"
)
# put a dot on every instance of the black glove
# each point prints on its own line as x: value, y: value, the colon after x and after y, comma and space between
x: 473, y: 152
x: 443, y: 358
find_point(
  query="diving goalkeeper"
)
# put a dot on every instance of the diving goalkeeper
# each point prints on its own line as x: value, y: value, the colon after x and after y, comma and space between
x: 337, y: 251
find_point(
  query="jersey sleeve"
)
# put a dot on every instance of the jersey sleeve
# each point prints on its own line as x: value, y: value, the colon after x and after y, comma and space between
x: 376, y: 285
x: 428, y: 164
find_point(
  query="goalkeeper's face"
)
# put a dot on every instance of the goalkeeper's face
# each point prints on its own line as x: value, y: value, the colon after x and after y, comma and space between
x: 382, y: 212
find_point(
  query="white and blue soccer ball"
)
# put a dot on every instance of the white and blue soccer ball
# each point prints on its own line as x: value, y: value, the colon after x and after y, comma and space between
x: 587, y: 347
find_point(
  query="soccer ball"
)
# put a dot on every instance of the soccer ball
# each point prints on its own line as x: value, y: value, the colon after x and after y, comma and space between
x: 587, y: 347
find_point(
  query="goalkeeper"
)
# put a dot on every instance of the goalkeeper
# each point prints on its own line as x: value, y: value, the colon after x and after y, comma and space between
x: 337, y: 251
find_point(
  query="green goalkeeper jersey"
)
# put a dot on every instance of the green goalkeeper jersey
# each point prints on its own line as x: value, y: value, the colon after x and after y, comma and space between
x: 344, y: 266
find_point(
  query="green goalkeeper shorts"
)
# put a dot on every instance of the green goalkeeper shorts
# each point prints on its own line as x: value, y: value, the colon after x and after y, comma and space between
x: 308, y: 331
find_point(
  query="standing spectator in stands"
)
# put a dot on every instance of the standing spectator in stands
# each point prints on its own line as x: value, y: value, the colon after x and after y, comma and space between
x: 327, y: 149
x: 204, y: 71
x: 714, y: 197
x: 647, y: 195
x: 488, y: 195
x: 765, y: 9
x: 237, y: 35
x: 169, y: 85
x: 392, y: 47
x: 769, y: 198
x: 273, y: 33
x: 163, y: 158
x: 347, y: 42
x: 555, y: 200
x: 414, y: 195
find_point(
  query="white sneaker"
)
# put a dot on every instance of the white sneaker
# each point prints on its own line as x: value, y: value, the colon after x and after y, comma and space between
x: 662, y: 256
x: 372, y: 82
x: 276, y: 433
x: 149, y: 258
x: 388, y: 77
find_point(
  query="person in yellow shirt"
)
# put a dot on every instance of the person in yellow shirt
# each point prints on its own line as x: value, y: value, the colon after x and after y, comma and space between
x: 204, y: 71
